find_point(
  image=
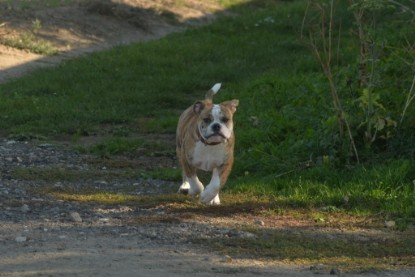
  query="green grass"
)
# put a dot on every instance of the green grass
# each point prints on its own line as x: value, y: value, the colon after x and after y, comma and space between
x: 387, y: 189
x: 144, y: 85
x: 28, y: 41
x: 36, y: 4
x: 285, y: 126
x: 61, y: 174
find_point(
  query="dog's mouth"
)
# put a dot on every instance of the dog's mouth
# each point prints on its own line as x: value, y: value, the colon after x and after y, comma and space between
x: 217, y: 134
x: 216, y: 138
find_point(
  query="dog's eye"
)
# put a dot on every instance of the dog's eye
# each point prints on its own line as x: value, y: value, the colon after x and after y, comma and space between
x: 225, y: 119
x: 207, y: 120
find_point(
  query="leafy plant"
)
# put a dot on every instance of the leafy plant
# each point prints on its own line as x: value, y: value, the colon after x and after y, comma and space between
x: 368, y: 112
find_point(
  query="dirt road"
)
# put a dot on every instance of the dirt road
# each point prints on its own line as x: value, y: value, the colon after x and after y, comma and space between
x: 76, y: 27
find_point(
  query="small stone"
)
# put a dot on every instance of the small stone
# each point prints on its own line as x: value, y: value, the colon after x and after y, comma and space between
x: 390, y: 224
x: 104, y: 220
x: 241, y: 234
x: 25, y: 208
x: 58, y: 185
x: 45, y: 145
x: 317, y: 267
x: 226, y: 259
x: 20, y: 239
x: 334, y: 271
x: 260, y: 223
x: 75, y: 217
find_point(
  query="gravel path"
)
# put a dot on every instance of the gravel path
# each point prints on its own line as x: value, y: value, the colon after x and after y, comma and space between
x: 44, y: 236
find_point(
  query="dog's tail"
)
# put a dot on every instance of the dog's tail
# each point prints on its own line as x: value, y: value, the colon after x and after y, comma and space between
x: 213, y: 91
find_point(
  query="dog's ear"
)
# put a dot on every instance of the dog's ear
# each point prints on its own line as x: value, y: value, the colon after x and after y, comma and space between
x: 198, y: 107
x: 232, y: 104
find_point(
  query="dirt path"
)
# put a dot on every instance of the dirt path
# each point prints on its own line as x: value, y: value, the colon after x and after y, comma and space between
x: 78, y: 27
x: 59, y: 217
x: 42, y: 234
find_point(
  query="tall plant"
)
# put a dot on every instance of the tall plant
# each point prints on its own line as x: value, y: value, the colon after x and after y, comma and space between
x: 374, y: 119
x: 321, y: 39
x: 366, y: 118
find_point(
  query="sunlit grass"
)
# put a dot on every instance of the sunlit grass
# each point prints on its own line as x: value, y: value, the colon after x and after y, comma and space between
x: 28, y: 41
x: 72, y: 175
x: 98, y: 196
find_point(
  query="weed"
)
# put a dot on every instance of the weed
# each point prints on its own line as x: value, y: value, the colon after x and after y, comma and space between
x: 28, y: 41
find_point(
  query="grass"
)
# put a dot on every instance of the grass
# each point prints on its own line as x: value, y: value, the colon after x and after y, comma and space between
x: 27, y: 41
x: 284, y: 129
x: 138, y: 85
x: 312, y: 247
x: 61, y: 174
x: 35, y: 4
x: 388, y: 188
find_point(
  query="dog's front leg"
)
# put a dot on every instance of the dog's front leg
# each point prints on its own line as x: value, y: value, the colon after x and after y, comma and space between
x: 196, y: 187
x: 191, y: 184
x: 211, y: 193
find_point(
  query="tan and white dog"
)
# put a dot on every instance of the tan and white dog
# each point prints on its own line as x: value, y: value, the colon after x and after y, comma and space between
x: 205, y: 140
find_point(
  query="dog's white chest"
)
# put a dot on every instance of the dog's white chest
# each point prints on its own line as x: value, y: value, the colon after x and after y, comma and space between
x: 207, y: 157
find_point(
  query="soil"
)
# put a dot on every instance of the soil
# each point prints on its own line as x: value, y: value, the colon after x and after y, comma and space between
x: 76, y: 27
x: 44, y: 235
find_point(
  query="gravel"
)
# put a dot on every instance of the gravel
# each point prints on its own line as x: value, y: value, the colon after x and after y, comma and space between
x: 44, y: 236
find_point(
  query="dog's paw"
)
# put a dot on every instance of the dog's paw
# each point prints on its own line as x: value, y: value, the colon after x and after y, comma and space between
x: 184, y: 188
x: 215, y: 201
x: 210, y: 197
x: 183, y: 191
x: 194, y: 192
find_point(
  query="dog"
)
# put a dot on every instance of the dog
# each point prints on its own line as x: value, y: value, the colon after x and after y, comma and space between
x: 205, y: 140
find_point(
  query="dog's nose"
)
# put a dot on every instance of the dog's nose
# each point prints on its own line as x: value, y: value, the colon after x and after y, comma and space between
x: 216, y: 127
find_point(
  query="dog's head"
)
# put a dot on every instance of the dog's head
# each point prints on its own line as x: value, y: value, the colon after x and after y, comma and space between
x: 215, y: 121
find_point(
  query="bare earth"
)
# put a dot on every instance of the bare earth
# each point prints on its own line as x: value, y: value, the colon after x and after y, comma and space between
x: 85, y: 26
x: 43, y: 236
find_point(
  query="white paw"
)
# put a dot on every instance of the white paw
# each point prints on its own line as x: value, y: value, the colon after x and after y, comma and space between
x: 184, y: 188
x: 195, y: 191
x: 210, y: 197
x: 215, y: 201
x: 196, y: 187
